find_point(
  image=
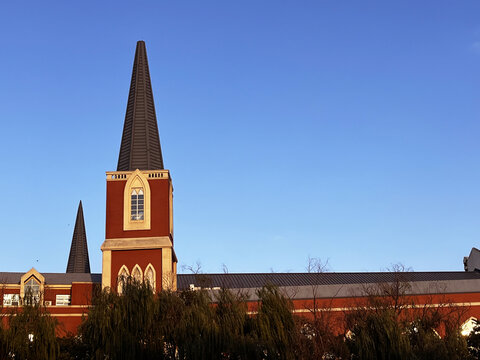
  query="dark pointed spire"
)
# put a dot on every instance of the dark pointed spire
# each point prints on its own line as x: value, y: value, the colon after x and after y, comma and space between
x: 140, y: 148
x: 78, y: 261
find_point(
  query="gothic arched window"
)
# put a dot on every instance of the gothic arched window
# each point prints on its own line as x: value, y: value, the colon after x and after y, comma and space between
x: 137, y: 204
x: 137, y: 274
x: 32, y: 290
x: 150, y: 276
x: 122, y: 279
x: 468, y: 326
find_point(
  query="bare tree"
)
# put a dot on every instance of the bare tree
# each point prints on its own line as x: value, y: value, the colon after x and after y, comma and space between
x: 194, y: 269
x: 320, y: 329
x: 389, y: 320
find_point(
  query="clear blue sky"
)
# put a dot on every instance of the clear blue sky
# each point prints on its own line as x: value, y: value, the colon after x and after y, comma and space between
x: 344, y: 130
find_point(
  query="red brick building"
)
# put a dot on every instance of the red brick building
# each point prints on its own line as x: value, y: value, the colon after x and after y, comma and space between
x: 139, y: 243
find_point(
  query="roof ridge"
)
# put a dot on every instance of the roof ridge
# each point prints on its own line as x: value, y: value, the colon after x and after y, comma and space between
x: 332, y: 272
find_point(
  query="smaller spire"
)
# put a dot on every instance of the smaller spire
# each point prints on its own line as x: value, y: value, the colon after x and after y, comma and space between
x: 78, y: 261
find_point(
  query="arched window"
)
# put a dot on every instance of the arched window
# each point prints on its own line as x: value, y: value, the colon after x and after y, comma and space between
x: 137, y: 274
x: 136, y: 202
x: 32, y: 291
x: 150, y: 276
x: 31, y: 286
x: 137, y: 205
x: 123, y: 275
x: 468, y: 326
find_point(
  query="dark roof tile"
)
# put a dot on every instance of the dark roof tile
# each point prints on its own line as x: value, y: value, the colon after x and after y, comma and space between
x: 52, y: 278
x: 251, y: 280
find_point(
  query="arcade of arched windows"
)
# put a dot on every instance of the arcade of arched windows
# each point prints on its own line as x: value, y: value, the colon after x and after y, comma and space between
x: 148, y: 276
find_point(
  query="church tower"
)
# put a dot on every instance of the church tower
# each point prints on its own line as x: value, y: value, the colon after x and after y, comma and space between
x: 139, y: 217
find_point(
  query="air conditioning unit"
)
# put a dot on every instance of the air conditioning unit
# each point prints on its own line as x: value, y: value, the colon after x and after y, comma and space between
x: 48, y: 303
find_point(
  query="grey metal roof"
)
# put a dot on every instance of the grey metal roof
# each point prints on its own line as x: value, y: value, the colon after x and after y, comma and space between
x: 251, y: 280
x: 78, y: 261
x: 300, y: 284
x: 140, y: 147
x: 52, y: 278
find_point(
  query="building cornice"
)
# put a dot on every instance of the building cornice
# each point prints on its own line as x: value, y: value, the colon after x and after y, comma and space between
x: 137, y: 244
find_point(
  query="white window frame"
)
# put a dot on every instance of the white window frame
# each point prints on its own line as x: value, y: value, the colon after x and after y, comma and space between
x: 137, y: 205
x: 36, y: 288
x: 148, y: 281
x: 62, y: 300
x: 11, y: 299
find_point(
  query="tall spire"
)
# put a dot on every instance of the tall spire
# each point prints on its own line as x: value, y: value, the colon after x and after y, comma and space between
x: 78, y: 261
x: 140, y: 148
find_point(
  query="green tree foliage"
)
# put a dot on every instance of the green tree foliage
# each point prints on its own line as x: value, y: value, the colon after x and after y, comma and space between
x: 320, y: 334
x: 473, y: 341
x: 142, y: 325
x: 233, y: 324
x: 29, y: 333
x: 390, y: 325
x: 426, y: 342
x: 3, y: 340
x: 119, y: 327
x: 274, y: 324
x: 217, y: 324
x: 197, y: 331
x: 378, y: 335
x: 72, y: 348
x: 456, y: 344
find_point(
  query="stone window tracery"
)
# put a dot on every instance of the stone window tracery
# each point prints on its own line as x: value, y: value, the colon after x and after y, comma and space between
x: 32, y: 290
x: 150, y: 276
x: 137, y: 274
x: 122, y: 278
x: 137, y: 205
x: 137, y: 202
